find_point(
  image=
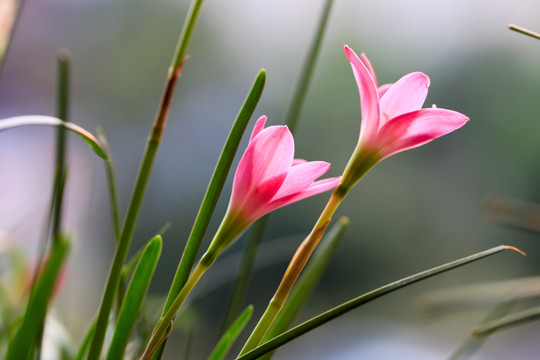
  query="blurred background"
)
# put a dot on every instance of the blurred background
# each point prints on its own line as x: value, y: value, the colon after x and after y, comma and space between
x: 413, y: 211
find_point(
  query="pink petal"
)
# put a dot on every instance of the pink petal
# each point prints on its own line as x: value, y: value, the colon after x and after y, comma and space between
x: 366, y: 62
x: 298, y: 161
x: 383, y: 89
x: 263, y: 167
x: 369, y: 99
x: 316, y: 188
x: 301, y: 177
x: 417, y: 128
x: 406, y: 95
x: 259, y: 126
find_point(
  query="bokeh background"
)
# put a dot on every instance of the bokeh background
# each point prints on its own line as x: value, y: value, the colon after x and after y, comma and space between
x: 413, y: 211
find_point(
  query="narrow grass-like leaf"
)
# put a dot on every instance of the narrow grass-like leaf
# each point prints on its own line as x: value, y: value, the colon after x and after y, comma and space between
x: 525, y: 31
x: 309, y: 279
x: 23, y: 344
x: 363, y: 299
x: 134, y: 298
x: 62, y: 112
x: 227, y: 340
x: 472, y: 343
x: 507, y: 322
x: 214, y: 188
x: 37, y: 120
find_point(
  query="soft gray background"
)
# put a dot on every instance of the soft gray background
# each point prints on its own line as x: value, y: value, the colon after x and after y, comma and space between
x: 413, y: 211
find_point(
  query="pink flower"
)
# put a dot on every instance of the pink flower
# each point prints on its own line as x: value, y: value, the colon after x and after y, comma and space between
x: 268, y: 177
x: 392, y: 116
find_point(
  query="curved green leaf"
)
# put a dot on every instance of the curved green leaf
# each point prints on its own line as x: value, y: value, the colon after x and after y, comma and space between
x: 363, y: 299
x: 226, y: 341
x: 134, y: 298
x: 34, y: 120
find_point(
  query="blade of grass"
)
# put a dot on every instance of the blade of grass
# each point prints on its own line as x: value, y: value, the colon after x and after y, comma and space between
x: 23, y: 343
x: 133, y: 300
x: 63, y: 113
x: 472, y: 344
x: 132, y: 214
x: 214, y: 188
x: 309, y: 279
x: 521, y: 29
x: 363, y: 299
x: 291, y: 120
x: 230, y: 336
x: 37, y: 120
x: 507, y: 322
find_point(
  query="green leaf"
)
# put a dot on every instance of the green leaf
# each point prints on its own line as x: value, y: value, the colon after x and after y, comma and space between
x: 472, y: 343
x: 134, y: 298
x: 226, y: 341
x: 309, y: 279
x: 23, y: 344
x: 363, y: 299
x: 507, y: 322
x: 36, y: 120
x: 214, y: 188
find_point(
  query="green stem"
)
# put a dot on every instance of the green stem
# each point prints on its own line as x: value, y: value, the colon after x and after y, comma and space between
x: 132, y: 215
x: 244, y: 273
x: 63, y: 113
x: 187, y: 33
x: 296, y: 266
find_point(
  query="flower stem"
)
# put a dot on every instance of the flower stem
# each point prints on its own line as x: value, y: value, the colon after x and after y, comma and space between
x: 296, y: 266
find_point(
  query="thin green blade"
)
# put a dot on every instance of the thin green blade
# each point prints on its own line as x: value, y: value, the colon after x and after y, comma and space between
x: 134, y: 298
x: 230, y: 336
x: 39, y: 120
x: 363, y: 299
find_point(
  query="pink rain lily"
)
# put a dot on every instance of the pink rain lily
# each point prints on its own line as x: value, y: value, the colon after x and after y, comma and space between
x: 392, y: 116
x: 267, y: 178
